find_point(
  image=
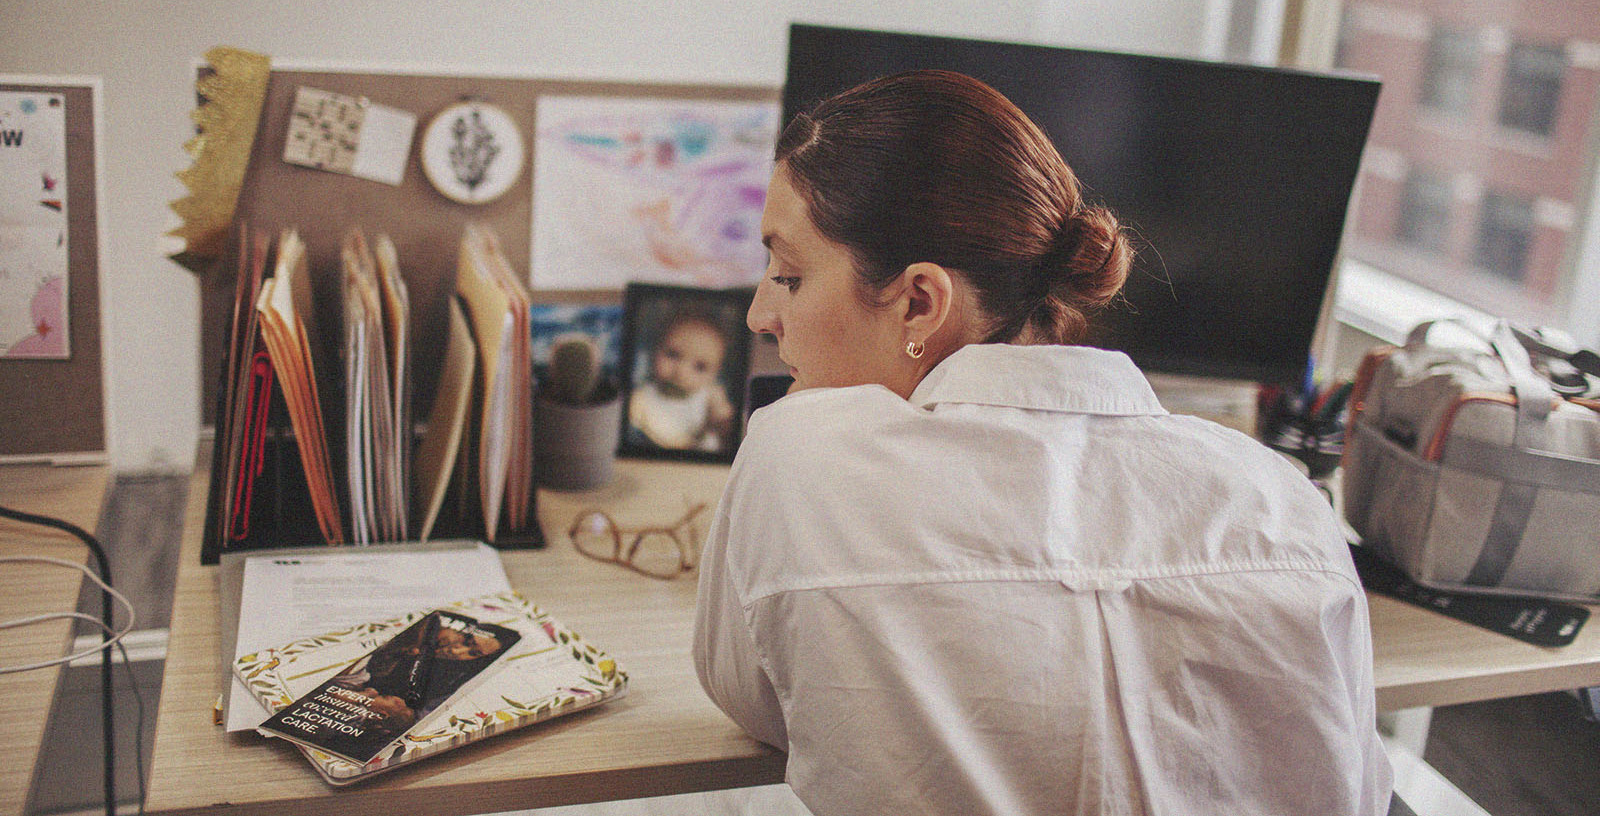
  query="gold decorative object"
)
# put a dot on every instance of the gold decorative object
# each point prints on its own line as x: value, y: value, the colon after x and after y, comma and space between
x: 231, y: 93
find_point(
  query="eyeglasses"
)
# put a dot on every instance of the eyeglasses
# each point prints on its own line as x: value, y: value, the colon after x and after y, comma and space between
x: 659, y: 552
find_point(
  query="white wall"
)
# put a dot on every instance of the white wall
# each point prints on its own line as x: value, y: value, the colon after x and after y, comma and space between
x: 146, y: 52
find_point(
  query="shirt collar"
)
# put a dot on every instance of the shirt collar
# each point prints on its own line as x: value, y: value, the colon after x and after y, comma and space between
x: 1074, y: 379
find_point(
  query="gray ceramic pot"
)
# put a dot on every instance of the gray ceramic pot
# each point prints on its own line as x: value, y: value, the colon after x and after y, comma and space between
x: 575, y: 446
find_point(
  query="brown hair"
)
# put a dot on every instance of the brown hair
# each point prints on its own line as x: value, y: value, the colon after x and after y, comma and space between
x: 936, y: 166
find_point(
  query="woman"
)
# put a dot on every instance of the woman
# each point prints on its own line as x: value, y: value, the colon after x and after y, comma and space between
x: 967, y: 567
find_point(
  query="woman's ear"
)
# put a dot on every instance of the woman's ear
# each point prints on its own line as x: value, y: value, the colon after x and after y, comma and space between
x: 928, y: 296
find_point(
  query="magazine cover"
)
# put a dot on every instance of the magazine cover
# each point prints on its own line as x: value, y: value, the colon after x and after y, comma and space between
x: 548, y: 671
x: 356, y: 714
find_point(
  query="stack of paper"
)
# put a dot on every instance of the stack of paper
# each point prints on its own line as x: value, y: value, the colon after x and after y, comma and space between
x: 285, y: 308
x: 375, y: 321
x: 348, y: 474
x: 268, y: 599
x: 497, y: 305
x: 397, y: 322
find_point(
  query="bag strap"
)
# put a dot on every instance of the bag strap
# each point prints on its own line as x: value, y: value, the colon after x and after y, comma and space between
x: 1571, y: 377
x: 1533, y: 393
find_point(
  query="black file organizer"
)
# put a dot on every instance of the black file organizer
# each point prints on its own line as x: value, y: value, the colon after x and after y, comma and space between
x: 281, y: 516
x: 281, y: 513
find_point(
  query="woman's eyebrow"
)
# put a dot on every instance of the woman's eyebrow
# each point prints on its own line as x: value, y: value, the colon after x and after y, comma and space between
x: 774, y: 242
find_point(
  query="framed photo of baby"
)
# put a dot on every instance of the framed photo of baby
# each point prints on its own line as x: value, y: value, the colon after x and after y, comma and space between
x: 686, y: 355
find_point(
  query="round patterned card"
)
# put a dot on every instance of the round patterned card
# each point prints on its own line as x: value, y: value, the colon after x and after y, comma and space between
x: 472, y: 152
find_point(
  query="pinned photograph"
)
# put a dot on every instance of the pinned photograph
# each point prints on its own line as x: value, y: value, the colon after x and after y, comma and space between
x: 687, y: 353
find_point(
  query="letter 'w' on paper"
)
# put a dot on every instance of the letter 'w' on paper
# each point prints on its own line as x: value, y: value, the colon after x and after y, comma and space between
x: 33, y: 225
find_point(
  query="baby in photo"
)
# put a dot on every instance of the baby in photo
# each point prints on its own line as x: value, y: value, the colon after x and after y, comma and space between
x: 682, y: 404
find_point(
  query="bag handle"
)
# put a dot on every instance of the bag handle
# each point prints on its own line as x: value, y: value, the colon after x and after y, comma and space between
x: 1543, y: 342
x: 1533, y: 393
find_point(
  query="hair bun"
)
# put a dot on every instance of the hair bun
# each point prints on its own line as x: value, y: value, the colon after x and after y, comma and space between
x: 1090, y: 260
x: 1083, y: 272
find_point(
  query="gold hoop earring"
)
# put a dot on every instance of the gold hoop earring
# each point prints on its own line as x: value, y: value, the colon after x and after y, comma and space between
x: 914, y: 350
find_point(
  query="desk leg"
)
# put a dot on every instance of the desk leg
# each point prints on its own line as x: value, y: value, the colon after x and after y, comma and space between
x: 1407, y: 727
x: 1423, y: 789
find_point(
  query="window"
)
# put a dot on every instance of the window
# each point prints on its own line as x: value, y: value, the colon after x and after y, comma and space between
x: 1532, y: 87
x: 1505, y: 231
x: 1425, y: 211
x: 1450, y: 74
x: 1498, y: 210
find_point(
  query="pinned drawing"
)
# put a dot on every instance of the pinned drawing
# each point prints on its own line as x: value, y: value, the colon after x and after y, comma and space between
x: 649, y: 190
x: 33, y: 225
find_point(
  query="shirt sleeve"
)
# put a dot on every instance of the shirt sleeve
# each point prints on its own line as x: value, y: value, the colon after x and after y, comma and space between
x: 725, y: 654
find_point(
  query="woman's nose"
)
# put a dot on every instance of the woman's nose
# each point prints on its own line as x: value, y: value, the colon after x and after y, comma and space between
x: 762, y: 317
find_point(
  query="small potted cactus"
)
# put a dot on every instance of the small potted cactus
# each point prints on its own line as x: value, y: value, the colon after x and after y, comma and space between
x: 577, y: 418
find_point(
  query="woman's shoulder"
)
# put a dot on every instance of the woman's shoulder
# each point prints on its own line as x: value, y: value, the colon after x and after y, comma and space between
x: 829, y: 483
x: 807, y: 417
x: 822, y: 436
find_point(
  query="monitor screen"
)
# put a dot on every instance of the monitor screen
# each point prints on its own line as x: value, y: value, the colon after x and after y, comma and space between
x: 1233, y: 180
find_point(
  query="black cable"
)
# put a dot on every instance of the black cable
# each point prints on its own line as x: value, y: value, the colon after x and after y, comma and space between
x: 138, y: 723
x: 106, y: 695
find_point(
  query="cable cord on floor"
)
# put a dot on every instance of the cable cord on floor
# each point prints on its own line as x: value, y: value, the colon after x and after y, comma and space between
x: 127, y: 664
x: 138, y: 724
x: 110, y: 638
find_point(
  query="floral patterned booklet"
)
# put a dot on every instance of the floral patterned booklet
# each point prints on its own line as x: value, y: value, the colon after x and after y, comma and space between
x: 548, y: 672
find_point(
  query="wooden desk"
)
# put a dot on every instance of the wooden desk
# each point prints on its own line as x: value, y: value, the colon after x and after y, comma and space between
x: 1421, y: 658
x: 73, y: 494
x: 665, y: 736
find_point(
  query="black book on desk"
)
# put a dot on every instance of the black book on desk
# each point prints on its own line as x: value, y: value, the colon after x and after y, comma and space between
x: 314, y: 444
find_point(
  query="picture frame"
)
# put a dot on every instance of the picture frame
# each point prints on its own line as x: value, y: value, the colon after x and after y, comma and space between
x: 681, y: 400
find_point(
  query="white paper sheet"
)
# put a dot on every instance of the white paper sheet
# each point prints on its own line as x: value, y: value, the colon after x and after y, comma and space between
x: 349, y: 134
x: 285, y: 597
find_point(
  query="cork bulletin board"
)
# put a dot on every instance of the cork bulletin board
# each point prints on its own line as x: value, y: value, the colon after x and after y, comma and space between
x: 425, y: 223
x: 52, y: 394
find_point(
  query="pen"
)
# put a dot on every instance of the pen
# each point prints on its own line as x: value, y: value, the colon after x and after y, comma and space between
x: 1334, y: 403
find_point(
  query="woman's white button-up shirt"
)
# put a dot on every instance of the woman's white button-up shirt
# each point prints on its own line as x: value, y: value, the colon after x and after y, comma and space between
x: 1030, y: 589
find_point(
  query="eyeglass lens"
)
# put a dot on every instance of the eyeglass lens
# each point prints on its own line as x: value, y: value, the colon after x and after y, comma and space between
x: 657, y: 553
x: 595, y: 536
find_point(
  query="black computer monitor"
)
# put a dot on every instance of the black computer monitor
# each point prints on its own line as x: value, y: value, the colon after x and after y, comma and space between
x: 1233, y: 179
